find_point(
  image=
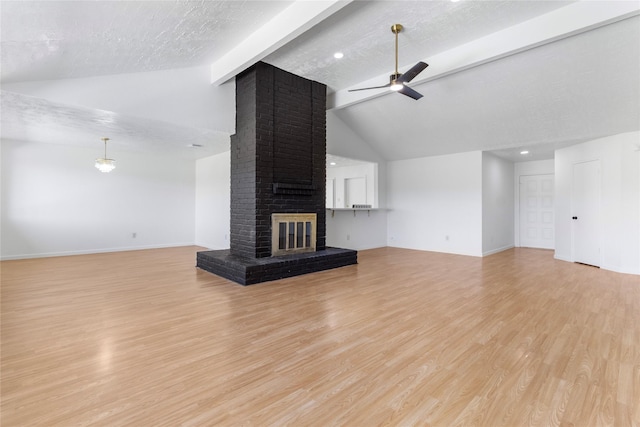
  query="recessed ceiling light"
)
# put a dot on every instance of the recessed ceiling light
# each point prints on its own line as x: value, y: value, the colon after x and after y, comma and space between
x: 524, y: 152
x: 338, y: 55
x: 332, y: 164
x: 455, y: 1
x: 194, y: 145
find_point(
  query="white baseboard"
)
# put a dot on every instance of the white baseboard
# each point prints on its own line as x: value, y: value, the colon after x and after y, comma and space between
x: 495, y: 251
x: 93, y: 251
x: 615, y: 268
x: 562, y: 257
x: 619, y: 269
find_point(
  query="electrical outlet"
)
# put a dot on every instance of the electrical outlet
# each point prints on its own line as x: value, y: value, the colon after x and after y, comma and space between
x: 134, y: 235
x: 446, y: 237
x: 348, y: 237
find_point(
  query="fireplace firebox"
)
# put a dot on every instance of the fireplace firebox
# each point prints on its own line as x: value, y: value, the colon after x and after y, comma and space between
x: 292, y: 233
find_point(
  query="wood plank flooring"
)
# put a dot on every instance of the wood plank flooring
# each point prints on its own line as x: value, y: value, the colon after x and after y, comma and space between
x: 404, y: 338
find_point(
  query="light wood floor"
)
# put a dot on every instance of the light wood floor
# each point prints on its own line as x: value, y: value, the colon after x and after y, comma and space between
x: 404, y: 338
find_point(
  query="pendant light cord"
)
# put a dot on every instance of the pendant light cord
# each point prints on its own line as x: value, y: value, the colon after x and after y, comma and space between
x: 105, y: 146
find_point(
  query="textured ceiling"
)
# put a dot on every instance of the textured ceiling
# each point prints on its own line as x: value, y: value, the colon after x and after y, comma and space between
x: 362, y: 31
x: 26, y: 118
x: 569, y: 90
x: 43, y: 40
x: 583, y: 87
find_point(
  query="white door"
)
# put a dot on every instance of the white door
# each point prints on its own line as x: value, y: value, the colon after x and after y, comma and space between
x: 355, y: 190
x: 536, y: 211
x: 585, y: 208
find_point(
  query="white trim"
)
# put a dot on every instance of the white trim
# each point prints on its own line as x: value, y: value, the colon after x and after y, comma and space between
x: 495, y: 251
x: 617, y: 269
x: 93, y: 251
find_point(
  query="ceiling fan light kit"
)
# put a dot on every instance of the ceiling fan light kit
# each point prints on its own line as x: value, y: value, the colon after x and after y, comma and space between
x: 394, y: 83
x: 397, y: 80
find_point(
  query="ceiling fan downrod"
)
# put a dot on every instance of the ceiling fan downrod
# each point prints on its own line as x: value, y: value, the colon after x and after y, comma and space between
x: 395, y: 29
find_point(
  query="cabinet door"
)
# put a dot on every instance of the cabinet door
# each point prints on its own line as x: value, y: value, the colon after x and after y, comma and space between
x: 355, y: 191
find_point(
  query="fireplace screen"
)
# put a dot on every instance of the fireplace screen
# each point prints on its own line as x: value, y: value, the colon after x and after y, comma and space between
x: 292, y: 233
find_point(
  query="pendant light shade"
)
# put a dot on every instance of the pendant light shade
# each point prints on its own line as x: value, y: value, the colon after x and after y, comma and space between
x: 105, y: 164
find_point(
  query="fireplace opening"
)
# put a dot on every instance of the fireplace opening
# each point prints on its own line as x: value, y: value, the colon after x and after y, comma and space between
x: 293, y: 233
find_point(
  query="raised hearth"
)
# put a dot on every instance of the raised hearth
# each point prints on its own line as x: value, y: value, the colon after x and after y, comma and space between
x: 249, y: 271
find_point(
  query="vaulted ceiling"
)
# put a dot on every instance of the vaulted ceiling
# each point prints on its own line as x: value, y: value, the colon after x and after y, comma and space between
x: 503, y: 75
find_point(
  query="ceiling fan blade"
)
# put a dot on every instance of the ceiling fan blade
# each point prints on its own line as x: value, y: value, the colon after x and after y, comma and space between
x: 367, y: 88
x: 413, y: 71
x: 406, y: 90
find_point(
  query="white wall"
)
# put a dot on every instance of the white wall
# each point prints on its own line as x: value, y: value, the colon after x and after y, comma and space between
x: 433, y: 199
x: 54, y: 201
x: 497, y: 204
x: 535, y: 167
x: 620, y: 199
x: 343, y: 141
x: 364, y: 231
x: 360, y: 230
x: 213, y: 195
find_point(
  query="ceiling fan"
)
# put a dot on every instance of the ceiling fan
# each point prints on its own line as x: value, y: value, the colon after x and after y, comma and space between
x: 397, y: 80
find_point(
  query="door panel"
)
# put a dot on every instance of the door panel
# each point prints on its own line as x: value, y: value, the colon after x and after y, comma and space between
x: 585, y: 207
x: 536, y: 211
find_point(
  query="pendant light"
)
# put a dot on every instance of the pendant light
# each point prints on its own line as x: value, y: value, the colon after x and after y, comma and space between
x: 105, y: 164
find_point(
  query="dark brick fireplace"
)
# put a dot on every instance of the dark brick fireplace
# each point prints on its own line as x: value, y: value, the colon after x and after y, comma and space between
x: 278, y: 166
